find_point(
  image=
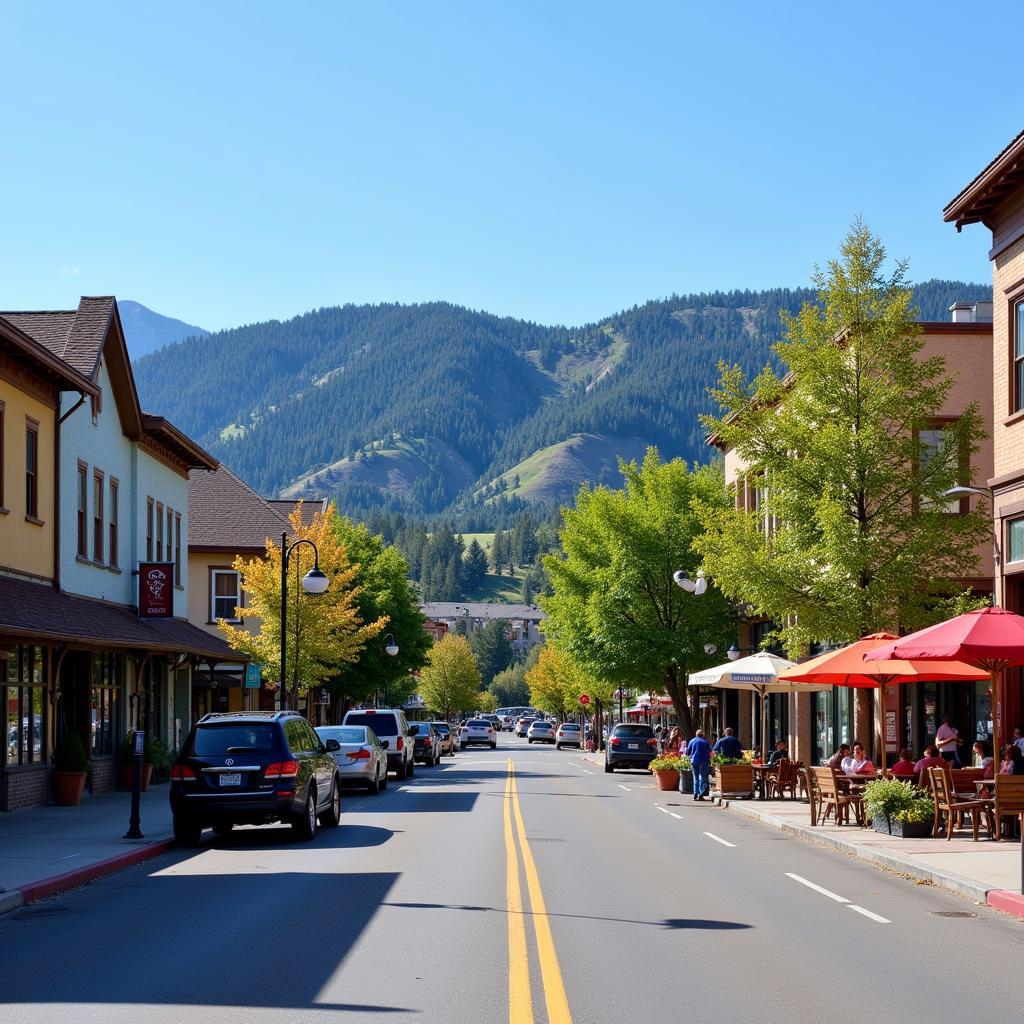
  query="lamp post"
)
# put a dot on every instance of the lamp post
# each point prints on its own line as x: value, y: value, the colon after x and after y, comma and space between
x: 997, y: 556
x: 390, y: 649
x: 697, y: 586
x: 314, y: 582
x: 618, y: 693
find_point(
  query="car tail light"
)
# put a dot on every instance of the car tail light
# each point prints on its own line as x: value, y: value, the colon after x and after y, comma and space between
x: 489, y: 730
x: 362, y: 754
x: 615, y: 741
x: 281, y: 770
x: 399, y: 743
x: 652, y: 742
x: 182, y: 773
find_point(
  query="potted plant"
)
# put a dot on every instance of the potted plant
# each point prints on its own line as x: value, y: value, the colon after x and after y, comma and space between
x: 897, y: 810
x: 733, y: 775
x: 70, y: 767
x: 666, y: 770
x: 155, y: 757
x: 158, y: 755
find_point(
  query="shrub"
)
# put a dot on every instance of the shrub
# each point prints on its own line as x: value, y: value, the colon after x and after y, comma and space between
x: 69, y: 754
x: 717, y: 759
x: 885, y: 798
x: 922, y: 809
x: 671, y: 762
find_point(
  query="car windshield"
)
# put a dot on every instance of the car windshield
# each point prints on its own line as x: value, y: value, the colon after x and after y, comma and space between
x: 479, y: 723
x: 419, y: 728
x: 633, y: 731
x: 541, y: 725
x: 342, y: 733
x: 215, y: 739
x: 569, y: 726
x: 382, y: 725
x: 441, y: 728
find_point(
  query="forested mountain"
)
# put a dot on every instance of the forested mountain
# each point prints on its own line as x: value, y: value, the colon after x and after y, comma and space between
x: 434, y: 407
x: 146, y: 331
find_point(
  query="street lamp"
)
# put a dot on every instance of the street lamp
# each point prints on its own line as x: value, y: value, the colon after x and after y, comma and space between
x: 697, y: 586
x: 390, y: 647
x: 314, y: 582
x: 710, y: 649
x: 618, y: 693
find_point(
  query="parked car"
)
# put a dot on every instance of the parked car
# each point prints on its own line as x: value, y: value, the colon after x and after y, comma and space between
x: 508, y: 723
x: 444, y: 730
x: 426, y: 743
x: 392, y: 729
x: 540, y: 732
x: 494, y: 720
x: 523, y: 725
x: 361, y: 757
x: 250, y: 768
x: 477, y: 730
x: 630, y: 746
x: 568, y: 734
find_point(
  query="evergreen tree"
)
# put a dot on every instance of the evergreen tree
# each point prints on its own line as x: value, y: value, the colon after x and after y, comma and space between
x: 492, y: 648
x: 474, y: 566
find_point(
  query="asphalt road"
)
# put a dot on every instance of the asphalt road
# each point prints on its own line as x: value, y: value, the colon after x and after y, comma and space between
x: 427, y: 904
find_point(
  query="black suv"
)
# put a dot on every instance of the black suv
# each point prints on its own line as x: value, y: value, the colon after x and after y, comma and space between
x: 250, y: 768
x: 630, y: 746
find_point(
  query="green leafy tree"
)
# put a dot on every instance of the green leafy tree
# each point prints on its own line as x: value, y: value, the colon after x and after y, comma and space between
x: 509, y: 686
x: 451, y: 680
x: 615, y: 608
x: 851, y: 532
x: 492, y: 648
x: 384, y: 592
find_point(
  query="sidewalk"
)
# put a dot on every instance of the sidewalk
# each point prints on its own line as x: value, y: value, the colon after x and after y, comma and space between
x: 45, y: 850
x: 985, y: 871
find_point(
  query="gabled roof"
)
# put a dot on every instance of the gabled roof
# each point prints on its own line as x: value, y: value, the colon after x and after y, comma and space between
x: 481, y: 610
x: 226, y: 514
x: 56, y: 370
x: 174, y: 441
x: 310, y: 507
x: 75, y: 336
x: 1002, y: 176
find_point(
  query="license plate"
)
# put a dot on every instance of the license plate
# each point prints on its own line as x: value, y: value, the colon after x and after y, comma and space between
x: 634, y: 746
x: 231, y: 778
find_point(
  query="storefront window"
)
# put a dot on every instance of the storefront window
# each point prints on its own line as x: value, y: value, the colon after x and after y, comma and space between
x: 26, y: 708
x: 1016, y: 540
x: 106, y: 703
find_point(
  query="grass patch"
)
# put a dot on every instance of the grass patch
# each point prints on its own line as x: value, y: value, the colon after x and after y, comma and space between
x: 501, y: 589
x: 485, y: 540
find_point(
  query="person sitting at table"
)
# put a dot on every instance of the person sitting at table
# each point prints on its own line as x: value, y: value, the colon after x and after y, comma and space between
x: 904, y: 767
x: 836, y: 760
x: 931, y: 759
x: 857, y: 763
x: 778, y: 753
x: 1013, y: 761
x: 728, y: 745
x: 980, y: 749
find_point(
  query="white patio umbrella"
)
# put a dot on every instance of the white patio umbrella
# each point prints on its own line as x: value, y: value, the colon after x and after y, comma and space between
x: 759, y: 673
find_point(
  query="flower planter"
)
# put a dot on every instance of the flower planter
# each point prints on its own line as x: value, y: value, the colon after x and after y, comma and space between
x: 902, y: 829
x: 128, y: 775
x: 686, y: 782
x: 735, y: 780
x: 667, y: 779
x: 67, y: 788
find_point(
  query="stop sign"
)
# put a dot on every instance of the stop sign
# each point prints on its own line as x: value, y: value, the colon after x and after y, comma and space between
x: 584, y: 699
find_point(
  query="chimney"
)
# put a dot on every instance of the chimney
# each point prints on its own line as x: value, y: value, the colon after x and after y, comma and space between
x: 967, y: 311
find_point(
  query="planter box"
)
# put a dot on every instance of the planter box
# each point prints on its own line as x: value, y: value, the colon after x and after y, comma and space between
x: 67, y: 788
x: 686, y: 781
x: 735, y: 780
x: 668, y: 779
x: 903, y: 829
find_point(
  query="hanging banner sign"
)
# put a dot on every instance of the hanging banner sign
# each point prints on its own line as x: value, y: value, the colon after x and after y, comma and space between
x: 156, y: 590
x: 252, y: 676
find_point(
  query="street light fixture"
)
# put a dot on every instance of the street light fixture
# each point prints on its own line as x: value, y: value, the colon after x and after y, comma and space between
x: 710, y: 649
x: 390, y: 647
x: 314, y: 582
x: 697, y: 586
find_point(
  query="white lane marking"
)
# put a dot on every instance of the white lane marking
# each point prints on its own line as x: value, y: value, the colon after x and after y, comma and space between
x: 817, y: 888
x: 868, y: 913
x: 664, y: 810
x: 674, y: 815
x: 719, y: 839
x: 588, y: 771
x: 626, y: 788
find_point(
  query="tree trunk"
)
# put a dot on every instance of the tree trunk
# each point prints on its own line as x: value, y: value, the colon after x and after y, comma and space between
x: 675, y: 686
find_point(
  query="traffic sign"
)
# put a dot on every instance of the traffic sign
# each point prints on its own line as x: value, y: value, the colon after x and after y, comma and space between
x: 584, y: 699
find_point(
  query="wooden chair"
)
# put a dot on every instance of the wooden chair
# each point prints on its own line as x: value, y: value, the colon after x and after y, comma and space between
x: 963, y: 780
x: 785, y: 778
x: 809, y: 787
x: 835, y: 798
x: 1009, y: 800
x: 948, y: 805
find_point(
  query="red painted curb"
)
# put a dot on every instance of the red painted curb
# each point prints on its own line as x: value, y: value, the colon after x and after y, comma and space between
x: 71, y: 879
x: 1007, y: 902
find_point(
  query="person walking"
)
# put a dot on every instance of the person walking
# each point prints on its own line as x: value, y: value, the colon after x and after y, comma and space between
x: 699, y: 752
x: 675, y: 741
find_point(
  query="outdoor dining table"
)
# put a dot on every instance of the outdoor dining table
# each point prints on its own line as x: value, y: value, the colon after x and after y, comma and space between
x: 761, y: 773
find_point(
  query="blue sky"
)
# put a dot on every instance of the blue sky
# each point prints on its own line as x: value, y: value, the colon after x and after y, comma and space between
x: 227, y: 163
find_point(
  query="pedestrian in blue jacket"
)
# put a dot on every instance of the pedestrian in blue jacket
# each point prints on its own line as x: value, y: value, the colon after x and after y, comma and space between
x: 699, y: 752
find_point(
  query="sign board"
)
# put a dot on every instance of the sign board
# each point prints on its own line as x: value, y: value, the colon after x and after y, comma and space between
x: 156, y: 590
x: 252, y: 676
x: 140, y: 743
x: 584, y: 699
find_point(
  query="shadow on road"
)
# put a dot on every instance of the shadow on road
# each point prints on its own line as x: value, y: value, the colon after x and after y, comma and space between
x: 267, y: 837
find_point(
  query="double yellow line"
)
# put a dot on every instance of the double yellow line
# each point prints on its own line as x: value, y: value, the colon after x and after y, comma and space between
x: 520, y: 1001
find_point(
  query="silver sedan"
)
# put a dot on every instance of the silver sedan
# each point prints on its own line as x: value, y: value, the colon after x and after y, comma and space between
x: 361, y: 759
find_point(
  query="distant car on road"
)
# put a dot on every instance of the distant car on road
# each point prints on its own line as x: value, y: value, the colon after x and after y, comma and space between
x: 630, y: 746
x: 426, y: 743
x: 523, y: 725
x: 392, y: 729
x: 477, y: 731
x: 361, y: 757
x: 444, y: 730
x: 540, y: 732
x: 508, y: 723
x: 568, y: 734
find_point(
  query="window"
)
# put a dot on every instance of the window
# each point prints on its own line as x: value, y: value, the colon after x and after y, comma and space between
x: 97, y: 515
x: 170, y: 533
x: 225, y: 594
x: 83, y: 510
x: 177, y: 549
x: 25, y: 707
x: 149, y: 529
x: 1017, y: 398
x: 31, y: 468
x: 1, y: 455
x: 106, y: 694
x: 933, y: 444
x: 1016, y: 540
x: 112, y: 554
x: 159, y: 532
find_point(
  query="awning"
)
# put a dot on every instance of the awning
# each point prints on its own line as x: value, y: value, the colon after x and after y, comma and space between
x: 37, y: 613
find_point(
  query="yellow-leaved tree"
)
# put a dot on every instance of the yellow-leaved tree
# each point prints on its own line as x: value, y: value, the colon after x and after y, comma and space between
x: 323, y: 631
x: 556, y: 683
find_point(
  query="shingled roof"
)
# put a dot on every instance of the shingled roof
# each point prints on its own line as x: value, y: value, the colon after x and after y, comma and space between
x: 226, y: 514
x: 75, y: 336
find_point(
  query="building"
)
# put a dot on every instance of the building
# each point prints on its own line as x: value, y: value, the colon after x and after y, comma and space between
x: 94, y: 505
x: 995, y: 198
x: 815, y: 724
x: 523, y: 620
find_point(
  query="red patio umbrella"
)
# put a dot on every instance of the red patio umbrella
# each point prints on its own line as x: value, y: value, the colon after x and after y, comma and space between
x: 992, y: 639
x: 847, y: 667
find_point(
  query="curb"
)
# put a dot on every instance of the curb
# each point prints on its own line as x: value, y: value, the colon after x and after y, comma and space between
x: 1007, y: 902
x: 72, y: 879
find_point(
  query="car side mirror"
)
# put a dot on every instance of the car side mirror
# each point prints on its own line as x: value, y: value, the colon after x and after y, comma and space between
x: 332, y: 746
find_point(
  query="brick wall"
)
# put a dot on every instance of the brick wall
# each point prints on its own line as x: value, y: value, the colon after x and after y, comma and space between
x: 26, y: 786
x: 104, y: 774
